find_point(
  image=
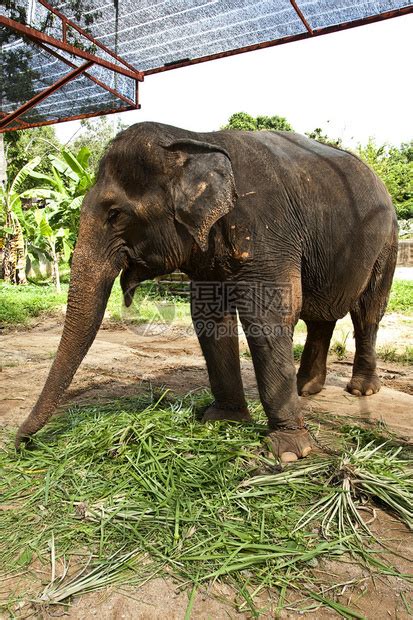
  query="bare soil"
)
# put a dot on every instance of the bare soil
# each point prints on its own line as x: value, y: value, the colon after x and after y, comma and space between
x: 124, y: 361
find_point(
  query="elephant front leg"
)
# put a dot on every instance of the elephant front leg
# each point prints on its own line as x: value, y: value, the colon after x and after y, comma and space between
x: 271, y: 344
x: 218, y: 338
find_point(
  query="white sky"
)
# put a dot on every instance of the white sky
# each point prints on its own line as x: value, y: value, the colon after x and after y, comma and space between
x: 353, y: 84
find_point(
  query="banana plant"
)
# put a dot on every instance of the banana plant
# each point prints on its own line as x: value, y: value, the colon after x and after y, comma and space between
x: 63, y: 190
x: 47, y: 240
x: 15, y: 226
x: 51, y: 230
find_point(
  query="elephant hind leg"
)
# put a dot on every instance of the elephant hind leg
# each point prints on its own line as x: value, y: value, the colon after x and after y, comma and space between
x: 313, y: 367
x: 365, y: 380
x: 366, y: 316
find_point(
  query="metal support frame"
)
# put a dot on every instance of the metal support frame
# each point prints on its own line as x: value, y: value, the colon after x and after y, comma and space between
x: 301, y: 16
x: 66, y: 22
x: 36, y: 35
x: 113, y: 91
x: 45, y: 93
x: 51, y: 45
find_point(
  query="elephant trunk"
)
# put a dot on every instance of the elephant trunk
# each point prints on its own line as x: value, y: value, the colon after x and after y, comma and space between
x: 90, y: 287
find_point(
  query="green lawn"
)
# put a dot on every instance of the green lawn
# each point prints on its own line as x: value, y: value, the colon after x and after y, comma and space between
x: 18, y: 304
x: 401, y: 297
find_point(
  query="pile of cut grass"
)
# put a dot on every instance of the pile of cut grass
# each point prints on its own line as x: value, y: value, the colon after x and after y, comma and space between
x: 139, y: 487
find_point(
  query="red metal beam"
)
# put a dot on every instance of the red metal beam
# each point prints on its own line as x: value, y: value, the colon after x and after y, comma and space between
x: 297, y: 37
x: 301, y: 16
x: 44, y: 94
x: 3, y: 114
x: 87, y: 74
x: 36, y: 36
x: 73, y: 118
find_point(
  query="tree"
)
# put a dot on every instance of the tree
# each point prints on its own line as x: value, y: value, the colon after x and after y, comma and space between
x: 317, y: 134
x: 245, y: 122
x: 394, y: 165
x: 96, y: 136
x: 23, y: 146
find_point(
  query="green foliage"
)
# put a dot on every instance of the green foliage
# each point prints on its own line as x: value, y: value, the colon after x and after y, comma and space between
x: 406, y: 228
x: 48, y: 211
x: 15, y: 222
x: 11, y: 196
x: 394, y: 165
x: 389, y: 353
x: 339, y: 348
x: 23, y: 146
x: 317, y: 134
x: 62, y: 193
x: 96, y: 135
x: 298, y: 351
x: 245, y: 122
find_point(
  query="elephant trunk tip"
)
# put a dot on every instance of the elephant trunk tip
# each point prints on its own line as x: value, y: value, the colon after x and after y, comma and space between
x: 23, y: 438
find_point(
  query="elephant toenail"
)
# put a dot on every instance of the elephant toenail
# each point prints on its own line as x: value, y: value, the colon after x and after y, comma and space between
x: 356, y: 392
x: 306, y: 451
x: 369, y: 392
x: 288, y: 457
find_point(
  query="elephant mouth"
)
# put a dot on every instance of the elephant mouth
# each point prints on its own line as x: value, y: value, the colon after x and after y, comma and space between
x: 136, y: 272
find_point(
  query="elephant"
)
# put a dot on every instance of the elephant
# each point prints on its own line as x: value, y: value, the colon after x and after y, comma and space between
x: 252, y: 217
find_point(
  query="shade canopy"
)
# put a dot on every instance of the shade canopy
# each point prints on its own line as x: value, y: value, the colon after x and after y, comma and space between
x: 62, y: 60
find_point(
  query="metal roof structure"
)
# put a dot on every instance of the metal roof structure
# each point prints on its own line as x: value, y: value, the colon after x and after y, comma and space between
x: 68, y: 59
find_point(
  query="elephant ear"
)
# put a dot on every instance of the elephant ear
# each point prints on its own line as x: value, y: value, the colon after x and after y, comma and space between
x: 204, y: 189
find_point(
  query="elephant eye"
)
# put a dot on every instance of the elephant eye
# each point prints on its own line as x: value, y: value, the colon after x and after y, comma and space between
x: 113, y: 215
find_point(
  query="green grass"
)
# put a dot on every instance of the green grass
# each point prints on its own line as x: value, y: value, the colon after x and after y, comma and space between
x: 389, y: 353
x: 297, y: 352
x: 138, y: 487
x: 149, y: 304
x: 19, y: 304
x: 401, y: 297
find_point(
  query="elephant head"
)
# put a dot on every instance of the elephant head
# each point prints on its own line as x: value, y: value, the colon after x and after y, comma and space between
x: 158, y: 193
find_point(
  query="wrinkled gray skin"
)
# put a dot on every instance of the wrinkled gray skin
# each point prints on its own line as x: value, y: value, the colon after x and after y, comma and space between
x: 272, y: 207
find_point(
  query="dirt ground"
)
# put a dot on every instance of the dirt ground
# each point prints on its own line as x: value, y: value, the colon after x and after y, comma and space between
x: 124, y: 361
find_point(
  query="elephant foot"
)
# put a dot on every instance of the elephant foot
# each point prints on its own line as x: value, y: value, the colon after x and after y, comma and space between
x: 289, y: 445
x: 215, y: 413
x: 307, y: 385
x: 364, y: 385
